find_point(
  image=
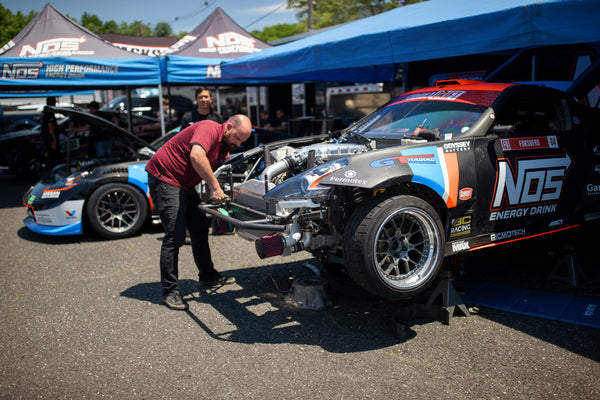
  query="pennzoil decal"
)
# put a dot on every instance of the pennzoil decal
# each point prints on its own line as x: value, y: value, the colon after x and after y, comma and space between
x: 465, y: 193
x: 537, y: 182
x: 529, y: 143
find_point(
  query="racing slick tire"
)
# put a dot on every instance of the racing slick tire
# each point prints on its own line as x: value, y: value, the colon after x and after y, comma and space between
x: 116, y: 210
x: 394, y: 246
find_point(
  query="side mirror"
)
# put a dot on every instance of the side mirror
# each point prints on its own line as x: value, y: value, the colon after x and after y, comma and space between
x: 503, y: 129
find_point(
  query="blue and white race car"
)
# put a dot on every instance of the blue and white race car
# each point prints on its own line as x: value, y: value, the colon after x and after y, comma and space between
x: 108, y: 195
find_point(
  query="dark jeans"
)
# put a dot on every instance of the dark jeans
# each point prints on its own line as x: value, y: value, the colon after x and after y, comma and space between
x: 178, y: 210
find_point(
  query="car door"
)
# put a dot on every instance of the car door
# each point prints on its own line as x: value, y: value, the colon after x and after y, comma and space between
x: 531, y: 165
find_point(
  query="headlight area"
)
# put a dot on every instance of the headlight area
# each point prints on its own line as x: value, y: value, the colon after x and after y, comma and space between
x: 43, y: 196
x: 304, y: 190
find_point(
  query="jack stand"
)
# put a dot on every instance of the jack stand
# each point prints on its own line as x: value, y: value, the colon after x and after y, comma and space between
x: 567, y: 258
x: 443, y: 312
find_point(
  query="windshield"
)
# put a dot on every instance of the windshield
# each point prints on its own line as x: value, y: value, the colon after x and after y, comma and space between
x: 403, y: 119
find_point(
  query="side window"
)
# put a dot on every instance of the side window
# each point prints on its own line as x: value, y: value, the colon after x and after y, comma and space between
x: 538, y: 115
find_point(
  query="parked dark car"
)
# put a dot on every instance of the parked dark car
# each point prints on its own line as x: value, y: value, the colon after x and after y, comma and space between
x: 436, y: 172
x: 26, y: 155
x: 148, y: 105
x: 11, y: 121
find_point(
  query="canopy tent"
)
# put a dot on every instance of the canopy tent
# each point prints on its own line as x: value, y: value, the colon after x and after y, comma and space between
x: 153, y: 46
x: 196, y: 58
x: 54, y: 52
x: 371, y: 49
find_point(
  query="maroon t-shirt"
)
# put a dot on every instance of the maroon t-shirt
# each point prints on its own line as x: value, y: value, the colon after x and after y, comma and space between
x: 172, y: 163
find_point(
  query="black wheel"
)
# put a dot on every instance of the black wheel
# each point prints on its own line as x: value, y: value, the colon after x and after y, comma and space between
x: 116, y: 210
x: 394, y: 247
x: 25, y: 162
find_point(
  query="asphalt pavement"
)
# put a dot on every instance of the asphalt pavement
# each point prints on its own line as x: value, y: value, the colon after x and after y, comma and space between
x: 82, y: 318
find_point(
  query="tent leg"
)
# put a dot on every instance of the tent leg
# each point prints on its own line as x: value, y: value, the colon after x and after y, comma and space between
x: 161, y: 113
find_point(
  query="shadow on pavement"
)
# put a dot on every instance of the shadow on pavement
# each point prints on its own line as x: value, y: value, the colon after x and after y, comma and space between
x: 13, y: 190
x: 258, y: 313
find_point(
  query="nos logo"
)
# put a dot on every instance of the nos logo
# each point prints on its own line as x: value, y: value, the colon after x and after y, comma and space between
x: 21, y: 70
x: 63, y: 45
x: 536, y: 180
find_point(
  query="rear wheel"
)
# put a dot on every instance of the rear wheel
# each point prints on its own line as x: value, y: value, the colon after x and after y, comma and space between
x: 116, y: 210
x: 393, y: 247
x: 25, y: 162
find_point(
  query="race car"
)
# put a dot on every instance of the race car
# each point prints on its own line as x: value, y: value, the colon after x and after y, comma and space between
x: 433, y: 173
x: 108, y: 195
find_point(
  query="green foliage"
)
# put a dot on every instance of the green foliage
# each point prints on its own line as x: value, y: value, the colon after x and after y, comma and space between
x: 162, y: 29
x: 279, y: 31
x: 11, y: 24
x: 334, y: 12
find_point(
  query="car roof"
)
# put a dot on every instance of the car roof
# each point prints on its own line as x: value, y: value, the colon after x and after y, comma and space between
x: 456, y: 90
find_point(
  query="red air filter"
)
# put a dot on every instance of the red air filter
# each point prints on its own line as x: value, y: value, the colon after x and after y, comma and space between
x: 269, y: 246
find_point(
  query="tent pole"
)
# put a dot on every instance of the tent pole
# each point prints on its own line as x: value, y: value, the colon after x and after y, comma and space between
x: 218, y: 100
x: 161, y: 113
x: 129, y: 111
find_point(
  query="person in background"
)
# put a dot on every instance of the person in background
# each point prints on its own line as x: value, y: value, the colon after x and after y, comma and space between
x: 265, y: 120
x: 169, y: 113
x: 280, y: 122
x: 102, y: 141
x: 204, y: 111
x: 49, y: 132
x: 174, y: 171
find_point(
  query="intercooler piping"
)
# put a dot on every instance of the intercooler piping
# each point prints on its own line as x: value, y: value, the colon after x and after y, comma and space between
x: 322, y: 152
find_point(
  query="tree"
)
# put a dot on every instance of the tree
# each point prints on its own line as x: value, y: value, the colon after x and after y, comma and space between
x: 12, y: 24
x: 162, y: 29
x: 279, y: 31
x: 333, y: 12
x: 92, y: 22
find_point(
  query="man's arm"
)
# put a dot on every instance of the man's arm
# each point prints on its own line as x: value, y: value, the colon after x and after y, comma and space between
x: 202, y: 167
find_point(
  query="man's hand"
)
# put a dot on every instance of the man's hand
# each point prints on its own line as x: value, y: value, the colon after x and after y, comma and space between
x: 217, y: 195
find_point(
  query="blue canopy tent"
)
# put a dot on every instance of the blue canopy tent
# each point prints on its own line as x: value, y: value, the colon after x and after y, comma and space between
x: 54, y: 52
x: 372, y: 49
x: 196, y: 58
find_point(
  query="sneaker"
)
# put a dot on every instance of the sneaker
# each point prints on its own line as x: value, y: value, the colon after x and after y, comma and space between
x: 174, y: 301
x: 220, y: 281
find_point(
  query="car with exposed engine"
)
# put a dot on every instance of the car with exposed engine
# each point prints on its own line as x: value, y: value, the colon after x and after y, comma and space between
x: 436, y: 172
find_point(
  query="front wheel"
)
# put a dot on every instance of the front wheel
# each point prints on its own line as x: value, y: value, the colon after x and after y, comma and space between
x: 116, y: 210
x: 394, y: 247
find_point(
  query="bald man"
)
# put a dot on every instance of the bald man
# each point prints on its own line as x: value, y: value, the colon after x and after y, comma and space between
x: 174, y: 170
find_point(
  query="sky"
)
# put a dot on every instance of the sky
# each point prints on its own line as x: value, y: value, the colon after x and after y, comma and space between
x: 182, y: 15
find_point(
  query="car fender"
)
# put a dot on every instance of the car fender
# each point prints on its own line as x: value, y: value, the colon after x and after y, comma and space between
x: 426, y: 165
